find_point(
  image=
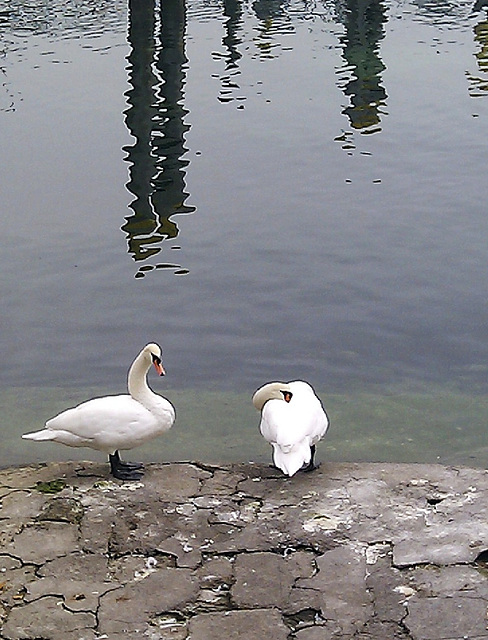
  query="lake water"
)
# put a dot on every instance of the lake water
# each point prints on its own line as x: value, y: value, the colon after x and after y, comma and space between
x: 270, y: 190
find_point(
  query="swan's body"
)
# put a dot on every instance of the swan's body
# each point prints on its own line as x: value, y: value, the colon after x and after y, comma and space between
x: 293, y: 420
x: 116, y: 423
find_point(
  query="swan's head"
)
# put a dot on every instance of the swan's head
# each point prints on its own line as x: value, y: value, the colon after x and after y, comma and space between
x: 272, y: 391
x: 152, y: 352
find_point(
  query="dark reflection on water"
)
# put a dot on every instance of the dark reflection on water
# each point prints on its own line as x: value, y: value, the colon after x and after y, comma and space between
x: 478, y: 84
x: 156, y: 119
x: 231, y: 55
x: 360, y: 78
x: 274, y: 20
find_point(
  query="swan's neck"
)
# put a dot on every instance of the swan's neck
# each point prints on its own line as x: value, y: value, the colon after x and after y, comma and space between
x: 160, y: 408
x: 270, y: 391
x: 136, y: 381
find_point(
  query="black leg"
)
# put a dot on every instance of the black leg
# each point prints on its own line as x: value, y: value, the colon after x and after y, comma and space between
x: 121, y: 464
x: 125, y: 470
x: 311, y: 465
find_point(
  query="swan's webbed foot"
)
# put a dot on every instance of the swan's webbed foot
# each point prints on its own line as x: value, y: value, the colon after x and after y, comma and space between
x: 125, y: 474
x: 125, y: 470
x: 310, y: 467
x: 130, y: 465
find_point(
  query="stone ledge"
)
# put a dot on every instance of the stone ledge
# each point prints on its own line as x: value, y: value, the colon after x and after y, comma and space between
x: 364, y: 551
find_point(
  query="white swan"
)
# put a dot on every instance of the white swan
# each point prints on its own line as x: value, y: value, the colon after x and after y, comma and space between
x: 293, y: 420
x: 116, y: 423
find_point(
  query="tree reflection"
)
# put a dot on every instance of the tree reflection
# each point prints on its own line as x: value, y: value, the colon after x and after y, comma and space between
x: 274, y: 20
x: 232, y: 55
x: 360, y: 78
x: 156, y: 119
x: 478, y: 84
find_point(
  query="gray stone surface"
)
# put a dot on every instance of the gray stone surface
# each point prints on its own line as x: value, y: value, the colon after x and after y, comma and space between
x: 351, y: 551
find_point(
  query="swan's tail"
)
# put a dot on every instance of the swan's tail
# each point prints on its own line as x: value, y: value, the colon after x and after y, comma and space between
x: 292, y: 460
x: 45, y: 434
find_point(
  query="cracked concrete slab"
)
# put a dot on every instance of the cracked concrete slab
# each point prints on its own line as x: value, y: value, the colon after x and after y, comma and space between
x: 351, y: 551
x: 232, y: 625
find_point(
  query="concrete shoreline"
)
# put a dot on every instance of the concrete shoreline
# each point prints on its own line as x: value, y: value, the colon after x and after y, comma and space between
x: 194, y: 551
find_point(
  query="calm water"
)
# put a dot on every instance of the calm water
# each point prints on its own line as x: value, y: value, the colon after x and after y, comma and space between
x: 270, y: 190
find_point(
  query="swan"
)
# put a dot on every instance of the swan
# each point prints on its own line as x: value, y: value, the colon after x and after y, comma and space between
x: 114, y: 423
x: 293, y: 420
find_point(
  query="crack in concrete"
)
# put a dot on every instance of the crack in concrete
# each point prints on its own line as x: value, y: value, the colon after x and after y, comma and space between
x: 212, y: 550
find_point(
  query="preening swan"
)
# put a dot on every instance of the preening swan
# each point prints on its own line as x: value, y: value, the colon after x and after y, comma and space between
x: 293, y: 420
x: 114, y: 423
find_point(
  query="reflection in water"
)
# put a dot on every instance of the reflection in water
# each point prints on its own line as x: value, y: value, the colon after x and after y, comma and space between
x: 440, y: 12
x: 274, y: 20
x: 360, y: 77
x: 232, y: 55
x: 478, y: 84
x: 156, y: 119
x: 450, y: 12
x: 390, y: 282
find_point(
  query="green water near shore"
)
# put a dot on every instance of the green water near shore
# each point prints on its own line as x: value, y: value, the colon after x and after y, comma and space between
x: 439, y: 426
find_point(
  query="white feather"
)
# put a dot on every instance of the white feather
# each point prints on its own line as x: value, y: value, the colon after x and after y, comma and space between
x: 114, y: 422
x: 291, y: 427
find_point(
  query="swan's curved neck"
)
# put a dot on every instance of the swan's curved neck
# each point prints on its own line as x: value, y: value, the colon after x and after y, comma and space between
x: 270, y: 391
x: 136, y: 381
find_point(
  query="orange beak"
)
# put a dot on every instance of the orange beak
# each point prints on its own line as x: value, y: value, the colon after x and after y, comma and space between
x: 159, y: 367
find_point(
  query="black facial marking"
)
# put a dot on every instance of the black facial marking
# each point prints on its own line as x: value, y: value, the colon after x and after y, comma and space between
x: 287, y: 395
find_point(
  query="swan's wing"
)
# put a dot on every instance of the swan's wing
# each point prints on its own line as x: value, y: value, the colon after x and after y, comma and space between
x: 281, y: 427
x: 311, y: 415
x: 100, y: 413
x: 276, y: 420
x: 287, y: 424
x: 103, y: 423
x: 292, y: 427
